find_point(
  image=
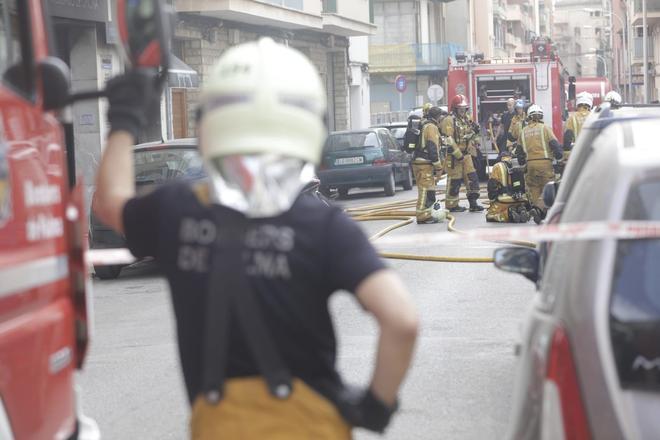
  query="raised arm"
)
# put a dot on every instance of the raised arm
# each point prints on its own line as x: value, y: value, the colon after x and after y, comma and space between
x: 132, y: 97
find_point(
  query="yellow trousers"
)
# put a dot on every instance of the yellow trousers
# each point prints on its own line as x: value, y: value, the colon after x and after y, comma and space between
x: 248, y: 411
x: 425, y: 190
x: 499, y: 211
x: 539, y: 172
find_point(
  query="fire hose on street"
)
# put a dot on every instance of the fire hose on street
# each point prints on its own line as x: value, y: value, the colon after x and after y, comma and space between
x: 400, y: 211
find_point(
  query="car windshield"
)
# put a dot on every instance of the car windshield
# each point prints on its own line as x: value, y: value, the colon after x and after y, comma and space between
x: 635, y: 303
x: 347, y: 141
x: 398, y: 132
x: 162, y: 164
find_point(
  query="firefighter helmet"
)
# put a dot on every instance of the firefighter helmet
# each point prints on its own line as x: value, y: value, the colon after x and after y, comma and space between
x: 584, y: 98
x: 262, y: 98
x: 535, y: 111
x: 425, y: 108
x: 459, y: 101
x: 520, y: 103
x: 613, y: 98
x: 436, y: 113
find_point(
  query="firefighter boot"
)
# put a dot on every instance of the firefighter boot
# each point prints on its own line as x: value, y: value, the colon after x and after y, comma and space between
x: 538, y: 214
x: 474, y: 204
x: 457, y: 208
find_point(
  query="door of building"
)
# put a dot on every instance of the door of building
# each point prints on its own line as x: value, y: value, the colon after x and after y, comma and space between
x: 179, y: 114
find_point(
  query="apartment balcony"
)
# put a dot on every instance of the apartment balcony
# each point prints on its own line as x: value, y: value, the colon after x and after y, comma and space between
x: 348, y: 18
x: 516, y: 13
x: 652, y: 12
x: 402, y: 58
x: 287, y: 14
x: 638, y: 50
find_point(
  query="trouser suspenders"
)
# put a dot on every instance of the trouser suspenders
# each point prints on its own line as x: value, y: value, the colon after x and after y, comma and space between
x: 230, y: 297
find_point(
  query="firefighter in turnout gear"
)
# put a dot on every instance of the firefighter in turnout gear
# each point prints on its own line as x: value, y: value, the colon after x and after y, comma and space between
x: 459, y: 134
x: 613, y: 98
x: 540, y: 147
x: 518, y: 122
x: 506, y: 190
x: 575, y: 122
x: 426, y: 164
x: 256, y: 341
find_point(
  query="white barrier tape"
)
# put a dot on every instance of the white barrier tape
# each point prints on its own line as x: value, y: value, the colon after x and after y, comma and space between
x: 109, y: 257
x: 630, y: 230
x: 556, y: 232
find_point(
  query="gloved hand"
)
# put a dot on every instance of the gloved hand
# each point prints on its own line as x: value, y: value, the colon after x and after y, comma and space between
x: 134, y: 99
x: 458, y: 155
x: 520, y: 154
x: 361, y: 408
x: 558, y: 167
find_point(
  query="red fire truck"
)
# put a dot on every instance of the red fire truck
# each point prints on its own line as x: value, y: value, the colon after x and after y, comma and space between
x: 44, y: 285
x: 538, y: 78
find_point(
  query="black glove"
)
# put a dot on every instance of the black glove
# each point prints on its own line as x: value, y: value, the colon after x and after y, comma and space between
x: 520, y: 155
x: 558, y: 167
x: 134, y: 99
x: 361, y: 408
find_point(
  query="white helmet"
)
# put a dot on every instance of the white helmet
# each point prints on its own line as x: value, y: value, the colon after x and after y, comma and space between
x: 535, y: 110
x: 262, y: 97
x: 585, y: 98
x: 613, y: 98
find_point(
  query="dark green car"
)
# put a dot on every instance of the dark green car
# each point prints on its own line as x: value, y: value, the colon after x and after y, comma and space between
x: 364, y: 159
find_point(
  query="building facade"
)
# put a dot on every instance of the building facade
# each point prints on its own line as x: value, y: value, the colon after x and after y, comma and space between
x: 582, y: 37
x: 499, y: 28
x: 322, y: 30
x: 86, y: 42
x: 413, y: 40
x: 653, y: 49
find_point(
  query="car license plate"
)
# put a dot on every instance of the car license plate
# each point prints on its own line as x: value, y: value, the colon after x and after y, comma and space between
x: 349, y: 160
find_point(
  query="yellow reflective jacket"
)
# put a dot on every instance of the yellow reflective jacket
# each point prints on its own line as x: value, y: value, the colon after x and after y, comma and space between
x: 457, y: 132
x: 535, y: 139
x: 576, y: 121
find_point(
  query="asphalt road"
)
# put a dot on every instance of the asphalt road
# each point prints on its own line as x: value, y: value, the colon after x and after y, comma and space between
x: 460, y: 385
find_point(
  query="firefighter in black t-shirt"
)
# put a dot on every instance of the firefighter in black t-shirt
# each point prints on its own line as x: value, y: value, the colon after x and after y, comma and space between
x: 251, y: 262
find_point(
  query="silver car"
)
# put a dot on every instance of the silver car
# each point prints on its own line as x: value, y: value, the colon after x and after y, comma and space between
x: 589, y: 362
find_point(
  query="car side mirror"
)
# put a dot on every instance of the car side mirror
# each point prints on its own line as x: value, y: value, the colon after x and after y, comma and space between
x: 523, y: 261
x: 550, y: 193
x: 56, y: 83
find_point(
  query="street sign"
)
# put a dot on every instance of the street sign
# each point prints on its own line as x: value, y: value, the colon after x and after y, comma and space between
x: 435, y: 93
x: 401, y: 83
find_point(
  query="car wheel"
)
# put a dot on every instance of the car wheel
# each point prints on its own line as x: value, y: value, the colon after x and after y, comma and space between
x: 343, y: 192
x: 390, y: 185
x: 408, y: 181
x: 107, y: 272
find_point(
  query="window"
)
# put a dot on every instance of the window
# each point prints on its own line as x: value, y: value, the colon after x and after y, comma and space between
x: 386, y: 140
x: 346, y: 141
x: 15, y: 51
x: 158, y: 166
x: 635, y: 302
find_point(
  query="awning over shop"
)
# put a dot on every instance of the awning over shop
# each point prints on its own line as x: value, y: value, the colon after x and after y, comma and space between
x: 181, y: 75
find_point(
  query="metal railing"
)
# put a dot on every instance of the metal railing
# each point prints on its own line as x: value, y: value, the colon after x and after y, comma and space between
x: 411, y: 57
x: 329, y: 6
x: 651, y: 6
x: 293, y: 4
x: 389, y: 117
